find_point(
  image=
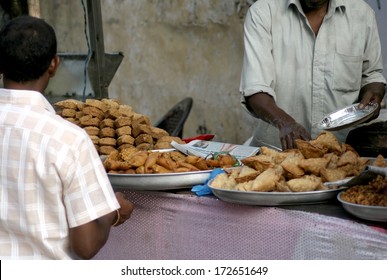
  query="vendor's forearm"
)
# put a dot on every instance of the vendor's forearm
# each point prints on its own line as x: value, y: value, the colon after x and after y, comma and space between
x: 265, y: 108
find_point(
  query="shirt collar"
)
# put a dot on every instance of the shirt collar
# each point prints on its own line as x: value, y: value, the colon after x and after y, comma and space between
x: 25, y: 98
x: 333, y: 5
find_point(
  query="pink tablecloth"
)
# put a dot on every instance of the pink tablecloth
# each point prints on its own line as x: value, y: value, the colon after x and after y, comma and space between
x: 179, y: 226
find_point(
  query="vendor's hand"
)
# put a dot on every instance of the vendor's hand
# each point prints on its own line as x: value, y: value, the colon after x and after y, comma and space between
x: 126, y: 207
x: 372, y: 93
x: 290, y: 132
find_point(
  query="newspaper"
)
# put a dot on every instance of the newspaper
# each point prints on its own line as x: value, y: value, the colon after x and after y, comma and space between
x: 206, y: 149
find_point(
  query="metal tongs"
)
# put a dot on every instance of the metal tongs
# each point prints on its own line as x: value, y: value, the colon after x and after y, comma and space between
x: 368, y: 174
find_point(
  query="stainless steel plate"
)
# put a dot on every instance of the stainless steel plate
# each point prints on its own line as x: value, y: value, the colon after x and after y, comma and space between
x: 366, y: 212
x: 346, y: 117
x: 155, y: 182
x: 274, y: 198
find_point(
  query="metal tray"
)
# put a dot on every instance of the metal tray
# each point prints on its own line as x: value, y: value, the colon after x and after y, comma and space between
x: 155, y: 182
x: 274, y: 198
x: 366, y: 212
x: 346, y: 117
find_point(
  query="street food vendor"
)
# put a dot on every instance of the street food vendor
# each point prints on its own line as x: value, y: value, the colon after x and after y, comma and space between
x: 304, y: 59
x: 56, y: 201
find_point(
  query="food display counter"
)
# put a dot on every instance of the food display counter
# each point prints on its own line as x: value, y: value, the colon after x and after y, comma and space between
x: 179, y: 225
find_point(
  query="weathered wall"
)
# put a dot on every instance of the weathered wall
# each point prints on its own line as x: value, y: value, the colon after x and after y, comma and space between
x: 172, y: 49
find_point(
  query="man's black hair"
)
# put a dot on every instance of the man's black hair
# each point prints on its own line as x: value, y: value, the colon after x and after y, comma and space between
x: 27, y: 47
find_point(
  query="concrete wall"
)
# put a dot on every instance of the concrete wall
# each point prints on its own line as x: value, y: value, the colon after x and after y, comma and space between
x: 174, y: 49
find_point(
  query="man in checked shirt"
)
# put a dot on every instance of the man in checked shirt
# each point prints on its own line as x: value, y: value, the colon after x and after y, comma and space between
x: 56, y: 201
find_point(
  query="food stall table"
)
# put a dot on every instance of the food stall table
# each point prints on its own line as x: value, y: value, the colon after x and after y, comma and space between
x: 183, y: 226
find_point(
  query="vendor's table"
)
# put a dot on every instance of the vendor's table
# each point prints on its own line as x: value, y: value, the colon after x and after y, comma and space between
x: 180, y: 226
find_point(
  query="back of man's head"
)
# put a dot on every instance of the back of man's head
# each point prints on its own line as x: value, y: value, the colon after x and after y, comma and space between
x: 27, y: 47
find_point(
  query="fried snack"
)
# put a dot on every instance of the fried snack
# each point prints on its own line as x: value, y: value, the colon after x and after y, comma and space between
x: 111, y: 103
x: 94, y: 139
x: 106, y: 123
x: 310, y: 150
x: 379, y: 161
x: 167, y: 163
x: 89, y: 120
x: 328, y: 139
x: 105, y: 150
x: 126, y: 153
x: 137, y: 159
x: 226, y: 160
x: 125, y: 146
x: 331, y: 175
x: 183, y: 164
x: 122, y: 121
x: 313, y: 165
x: 160, y: 169
x: 282, y: 186
x: 68, y: 113
x: 125, y: 139
x: 260, y: 162
x: 304, y: 184
x: 70, y: 104
x: 143, y: 138
x: 124, y: 130
x: 157, y: 133
x: 202, y: 164
x: 292, y: 167
x: 150, y: 161
x: 138, y: 129
x: 115, y: 165
x: 91, y: 130
x: 332, y: 160
x: 162, y: 145
x: 112, y: 113
x: 145, y: 146
x: 107, y: 132
x: 246, y: 174
x: 93, y: 111
x: 266, y: 181
x: 125, y: 110
x: 107, y: 141
x: 349, y: 157
x: 96, y: 103
x: 223, y: 181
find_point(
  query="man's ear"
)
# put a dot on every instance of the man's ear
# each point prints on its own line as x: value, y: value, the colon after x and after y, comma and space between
x: 53, y: 66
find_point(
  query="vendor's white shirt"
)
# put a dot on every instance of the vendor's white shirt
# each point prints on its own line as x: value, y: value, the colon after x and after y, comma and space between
x: 309, y: 76
x: 51, y: 179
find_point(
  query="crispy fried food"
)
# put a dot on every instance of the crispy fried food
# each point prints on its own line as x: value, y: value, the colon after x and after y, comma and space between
x: 137, y: 159
x: 167, y: 163
x: 226, y: 160
x: 305, y: 183
x: 150, y: 162
x: 190, y: 167
x: 266, y: 181
x: 313, y: 165
x: 260, y: 162
x: 223, y: 181
x: 331, y: 175
x: 246, y: 174
x: 310, y: 150
x: 328, y: 139
x: 292, y: 167
x: 115, y: 165
x: 160, y: 169
x: 379, y: 161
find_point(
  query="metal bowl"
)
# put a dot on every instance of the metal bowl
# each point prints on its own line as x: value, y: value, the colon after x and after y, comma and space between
x: 366, y: 212
x: 347, y: 117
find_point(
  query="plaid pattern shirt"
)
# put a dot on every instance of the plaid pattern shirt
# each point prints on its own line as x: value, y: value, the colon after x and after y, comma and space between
x: 52, y: 179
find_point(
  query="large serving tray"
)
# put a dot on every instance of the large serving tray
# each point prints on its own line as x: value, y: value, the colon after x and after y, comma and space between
x: 274, y: 198
x: 156, y: 182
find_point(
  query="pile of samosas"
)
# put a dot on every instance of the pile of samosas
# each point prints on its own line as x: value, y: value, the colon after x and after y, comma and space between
x: 306, y: 168
x: 134, y: 161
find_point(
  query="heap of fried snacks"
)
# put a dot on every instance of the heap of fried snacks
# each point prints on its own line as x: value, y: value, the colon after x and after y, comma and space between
x: 303, y: 169
x: 134, y: 161
x: 113, y: 126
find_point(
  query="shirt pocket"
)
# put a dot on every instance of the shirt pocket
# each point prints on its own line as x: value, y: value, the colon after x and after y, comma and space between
x: 347, y: 72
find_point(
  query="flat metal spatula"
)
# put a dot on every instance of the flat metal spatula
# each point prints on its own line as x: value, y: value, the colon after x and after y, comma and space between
x: 369, y: 173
